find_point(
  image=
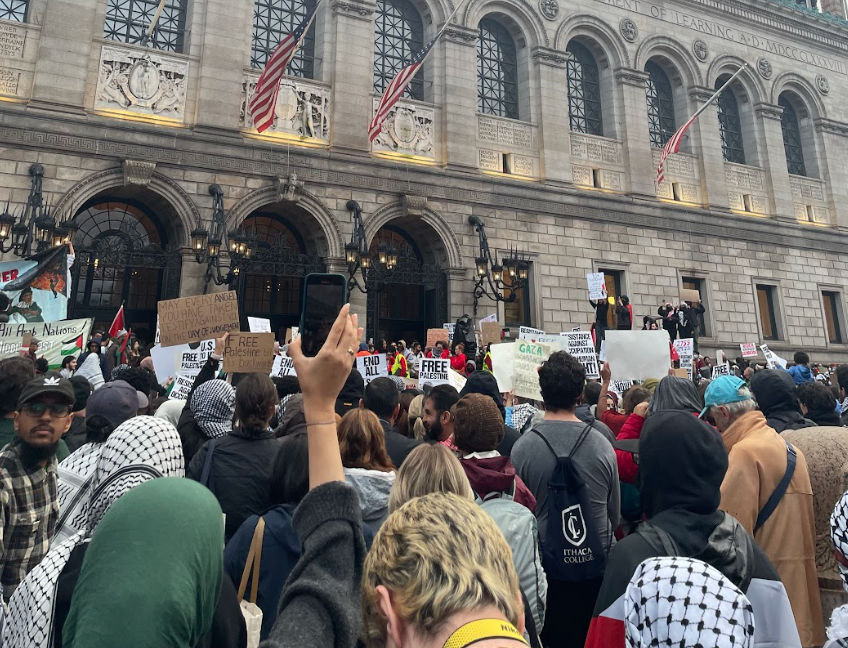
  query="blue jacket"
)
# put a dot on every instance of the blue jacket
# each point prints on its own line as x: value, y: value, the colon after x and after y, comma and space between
x: 281, y: 550
x: 801, y: 374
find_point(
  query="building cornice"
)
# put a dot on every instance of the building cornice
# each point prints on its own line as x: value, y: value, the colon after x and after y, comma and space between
x: 823, y: 125
x: 768, y: 111
x: 548, y: 56
x: 629, y: 76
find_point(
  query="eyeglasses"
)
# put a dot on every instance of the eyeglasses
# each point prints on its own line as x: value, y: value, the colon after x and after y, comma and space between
x: 57, y: 410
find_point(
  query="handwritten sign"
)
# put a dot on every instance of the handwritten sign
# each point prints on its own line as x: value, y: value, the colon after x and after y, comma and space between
x: 436, y: 335
x: 527, y: 333
x: 372, y: 366
x: 249, y: 353
x: 597, y: 285
x: 580, y: 345
x: 686, y: 351
x: 259, y: 325
x: 283, y: 366
x: 722, y: 370
x: 749, y: 349
x: 192, y: 319
x: 620, y: 386
x: 434, y: 371
x: 525, y: 376
x: 182, y: 387
x: 491, y: 333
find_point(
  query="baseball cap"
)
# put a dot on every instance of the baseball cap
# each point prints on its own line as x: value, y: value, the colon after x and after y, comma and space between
x: 50, y: 382
x: 724, y: 390
x: 116, y: 401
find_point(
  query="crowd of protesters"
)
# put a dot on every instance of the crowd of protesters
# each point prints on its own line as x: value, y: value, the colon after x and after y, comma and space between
x: 677, y: 513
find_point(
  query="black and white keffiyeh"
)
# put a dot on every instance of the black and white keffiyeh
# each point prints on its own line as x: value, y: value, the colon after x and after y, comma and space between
x: 682, y: 602
x: 75, y: 476
x: 140, y: 449
x: 839, y: 534
x: 213, y: 405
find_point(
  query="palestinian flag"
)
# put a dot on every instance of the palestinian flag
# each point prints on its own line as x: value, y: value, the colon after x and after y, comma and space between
x: 72, y: 346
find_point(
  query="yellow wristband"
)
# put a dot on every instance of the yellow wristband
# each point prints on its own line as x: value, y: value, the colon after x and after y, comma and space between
x: 481, y: 630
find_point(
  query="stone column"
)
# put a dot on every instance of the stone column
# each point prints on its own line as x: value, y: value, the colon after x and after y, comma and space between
x: 631, y: 108
x: 225, y: 50
x: 706, y: 144
x: 458, y: 60
x: 833, y: 168
x: 67, y: 30
x: 554, y: 142
x: 353, y: 73
x: 773, y: 158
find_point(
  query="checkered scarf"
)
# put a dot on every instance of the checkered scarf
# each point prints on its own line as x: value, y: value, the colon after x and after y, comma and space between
x: 839, y: 534
x: 683, y: 602
x: 213, y: 404
x: 139, y: 450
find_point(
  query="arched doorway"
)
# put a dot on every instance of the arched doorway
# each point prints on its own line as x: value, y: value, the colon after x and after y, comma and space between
x: 413, y: 295
x: 271, y: 283
x: 123, y: 257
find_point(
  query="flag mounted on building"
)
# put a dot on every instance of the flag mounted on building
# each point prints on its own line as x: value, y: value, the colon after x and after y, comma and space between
x: 264, y: 98
x: 673, y: 144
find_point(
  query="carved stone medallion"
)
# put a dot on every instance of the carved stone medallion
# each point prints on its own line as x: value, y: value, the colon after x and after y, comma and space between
x: 764, y: 68
x: 700, y: 49
x: 822, y: 84
x: 628, y: 29
x: 549, y: 9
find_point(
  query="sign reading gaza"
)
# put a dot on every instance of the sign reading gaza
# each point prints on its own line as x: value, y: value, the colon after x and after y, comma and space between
x: 192, y: 319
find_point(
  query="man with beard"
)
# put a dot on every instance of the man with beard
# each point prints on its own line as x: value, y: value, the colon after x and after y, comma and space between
x: 29, y: 505
x: 381, y: 397
x: 437, y: 418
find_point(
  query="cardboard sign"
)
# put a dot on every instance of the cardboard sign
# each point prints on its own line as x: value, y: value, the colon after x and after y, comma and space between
x: 749, y: 350
x: 527, y: 333
x: 638, y: 355
x: 681, y: 373
x: 686, y: 350
x: 597, y: 285
x: 259, y: 325
x: 409, y: 383
x: 434, y: 371
x: 580, y: 345
x: 689, y: 295
x: 491, y: 333
x: 283, y: 366
x: 525, y: 376
x: 503, y: 360
x: 489, y: 318
x: 436, y: 335
x: 249, y: 353
x: 182, y: 387
x: 372, y: 366
x: 722, y: 370
x: 192, y: 319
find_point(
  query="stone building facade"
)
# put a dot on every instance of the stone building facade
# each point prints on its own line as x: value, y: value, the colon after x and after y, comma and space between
x: 542, y: 117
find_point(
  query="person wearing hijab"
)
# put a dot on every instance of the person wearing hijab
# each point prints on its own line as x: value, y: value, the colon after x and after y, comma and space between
x: 170, y: 410
x: 675, y: 601
x: 140, y: 449
x: 165, y: 538
x: 100, y: 361
x: 837, y: 632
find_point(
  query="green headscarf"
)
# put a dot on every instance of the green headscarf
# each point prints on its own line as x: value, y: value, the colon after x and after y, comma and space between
x: 152, y: 574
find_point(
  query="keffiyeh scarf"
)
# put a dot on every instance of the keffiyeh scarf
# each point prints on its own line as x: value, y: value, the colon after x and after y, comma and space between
x: 681, y: 602
x: 139, y: 450
x: 117, y: 371
x: 75, y: 475
x: 839, y: 534
x: 213, y: 405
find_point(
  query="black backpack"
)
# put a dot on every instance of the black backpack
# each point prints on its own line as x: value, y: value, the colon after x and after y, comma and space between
x: 572, y: 550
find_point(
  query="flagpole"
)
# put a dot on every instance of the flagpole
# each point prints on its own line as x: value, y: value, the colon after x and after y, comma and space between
x: 153, y: 22
x: 717, y: 93
x: 442, y: 30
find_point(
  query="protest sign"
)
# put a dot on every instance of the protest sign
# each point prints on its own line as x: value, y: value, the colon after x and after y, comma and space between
x: 597, y: 285
x: 283, y: 366
x: 681, y: 373
x: 38, y: 287
x: 602, y: 352
x: 620, y: 386
x: 503, y: 360
x: 449, y: 328
x: 555, y: 342
x: 772, y: 359
x: 491, y: 333
x: 259, y: 325
x: 56, y: 339
x: 638, y: 355
x: 722, y: 370
x: 191, y: 319
x: 685, y: 350
x: 749, y: 350
x: 182, y: 387
x: 409, y: 383
x: 525, y: 376
x: 527, y: 333
x: 183, y: 359
x: 489, y: 318
x: 457, y: 380
x: 574, y: 330
x: 688, y: 295
x: 249, y: 353
x: 372, y: 366
x: 435, y: 371
x: 436, y: 335
x: 580, y: 345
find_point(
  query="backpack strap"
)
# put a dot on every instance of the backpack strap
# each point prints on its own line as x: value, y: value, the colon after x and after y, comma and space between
x: 659, y: 539
x: 206, y: 476
x: 780, y: 490
x: 577, y: 445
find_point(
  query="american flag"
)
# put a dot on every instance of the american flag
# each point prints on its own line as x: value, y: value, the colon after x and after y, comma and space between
x: 673, y: 146
x: 267, y: 88
x: 395, y: 90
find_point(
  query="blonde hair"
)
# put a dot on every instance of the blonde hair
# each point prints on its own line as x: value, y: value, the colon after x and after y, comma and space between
x: 416, y: 411
x: 362, y: 442
x: 438, y: 555
x: 429, y: 469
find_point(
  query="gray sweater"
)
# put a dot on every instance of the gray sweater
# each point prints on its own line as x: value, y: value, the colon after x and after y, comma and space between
x: 320, y: 605
x: 595, y: 461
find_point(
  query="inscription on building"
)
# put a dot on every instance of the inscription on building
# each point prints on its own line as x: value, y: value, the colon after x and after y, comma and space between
x: 12, y: 41
x: 677, y: 165
x: 502, y: 132
x: 745, y: 178
x: 806, y: 189
x: 9, y: 81
x: 595, y: 150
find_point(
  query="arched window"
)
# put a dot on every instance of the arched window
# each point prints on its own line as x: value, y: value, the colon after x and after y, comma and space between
x: 273, y: 20
x: 14, y: 10
x: 584, y: 91
x: 730, y: 126
x: 497, y: 71
x: 398, y: 37
x: 791, y: 138
x: 127, y: 21
x: 660, y: 105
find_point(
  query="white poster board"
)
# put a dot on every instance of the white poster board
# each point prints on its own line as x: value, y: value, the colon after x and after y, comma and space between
x: 168, y: 362
x: 597, y: 285
x: 638, y: 355
x: 372, y: 366
x: 259, y: 325
x: 450, y: 328
x: 749, y: 349
x: 722, y: 370
x: 182, y: 387
x: 435, y: 371
x: 527, y: 333
x: 580, y: 345
x: 503, y: 359
x: 283, y: 366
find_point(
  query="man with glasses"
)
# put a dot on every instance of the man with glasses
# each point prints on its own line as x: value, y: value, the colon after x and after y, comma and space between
x: 29, y: 505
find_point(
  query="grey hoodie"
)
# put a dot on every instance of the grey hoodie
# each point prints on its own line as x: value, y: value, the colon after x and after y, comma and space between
x: 373, y: 488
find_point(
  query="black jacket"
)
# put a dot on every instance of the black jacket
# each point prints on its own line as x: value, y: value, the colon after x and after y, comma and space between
x: 240, y: 474
x: 191, y: 435
x: 601, y: 311
x: 774, y: 391
x: 397, y: 445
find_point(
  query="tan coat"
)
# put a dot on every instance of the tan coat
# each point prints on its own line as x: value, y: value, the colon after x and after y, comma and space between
x: 757, y: 463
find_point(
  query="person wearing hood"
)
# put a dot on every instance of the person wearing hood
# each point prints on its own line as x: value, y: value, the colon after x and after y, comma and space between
x: 818, y: 404
x: 800, y: 372
x: 682, y: 464
x: 482, y: 382
x: 624, y: 314
x: 351, y: 393
x: 367, y: 466
x: 170, y: 410
x: 774, y: 391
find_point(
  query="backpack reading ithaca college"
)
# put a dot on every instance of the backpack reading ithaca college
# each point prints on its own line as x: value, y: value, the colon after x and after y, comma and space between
x: 572, y: 550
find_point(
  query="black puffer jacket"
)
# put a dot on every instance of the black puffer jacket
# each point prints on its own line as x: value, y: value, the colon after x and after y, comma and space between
x: 774, y: 390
